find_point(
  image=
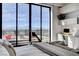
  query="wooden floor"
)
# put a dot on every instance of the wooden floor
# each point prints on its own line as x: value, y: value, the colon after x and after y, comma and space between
x: 29, y: 50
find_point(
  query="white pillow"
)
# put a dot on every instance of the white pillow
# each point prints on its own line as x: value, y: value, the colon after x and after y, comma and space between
x: 3, y: 51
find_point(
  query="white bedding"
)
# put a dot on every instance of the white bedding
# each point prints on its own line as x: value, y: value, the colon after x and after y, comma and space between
x: 3, y: 51
x: 6, y: 48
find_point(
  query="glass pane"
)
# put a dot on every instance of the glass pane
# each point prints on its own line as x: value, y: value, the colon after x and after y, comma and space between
x: 23, y: 23
x: 9, y: 21
x: 35, y: 22
x: 45, y: 24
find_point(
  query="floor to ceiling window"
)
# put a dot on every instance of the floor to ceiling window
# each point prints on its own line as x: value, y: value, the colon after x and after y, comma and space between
x: 41, y: 22
x: 9, y: 22
x: 23, y: 23
x: 35, y: 22
x: 15, y: 20
x: 45, y: 24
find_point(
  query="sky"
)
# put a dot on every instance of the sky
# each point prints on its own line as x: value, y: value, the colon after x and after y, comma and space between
x: 9, y: 16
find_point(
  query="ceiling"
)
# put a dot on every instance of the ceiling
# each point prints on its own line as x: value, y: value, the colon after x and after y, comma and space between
x: 57, y: 4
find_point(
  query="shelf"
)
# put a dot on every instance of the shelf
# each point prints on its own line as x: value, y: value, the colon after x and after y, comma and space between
x: 71, y: 21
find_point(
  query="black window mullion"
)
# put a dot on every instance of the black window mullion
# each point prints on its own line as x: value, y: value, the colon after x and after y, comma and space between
x: 50, y: 24
x: 41, y: 23
x: 0, y: 20
x: 30, y: 29
x: 16, y: 24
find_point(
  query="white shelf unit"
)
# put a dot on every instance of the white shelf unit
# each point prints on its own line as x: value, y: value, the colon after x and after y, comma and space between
x: 69, y: 22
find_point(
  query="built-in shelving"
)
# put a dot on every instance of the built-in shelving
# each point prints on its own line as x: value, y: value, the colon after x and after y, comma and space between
x: 71, y: 21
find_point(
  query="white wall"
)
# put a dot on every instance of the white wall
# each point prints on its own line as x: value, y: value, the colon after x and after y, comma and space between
x: 72, y: 11
x: 56, y: 26
x: 69, y: 8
